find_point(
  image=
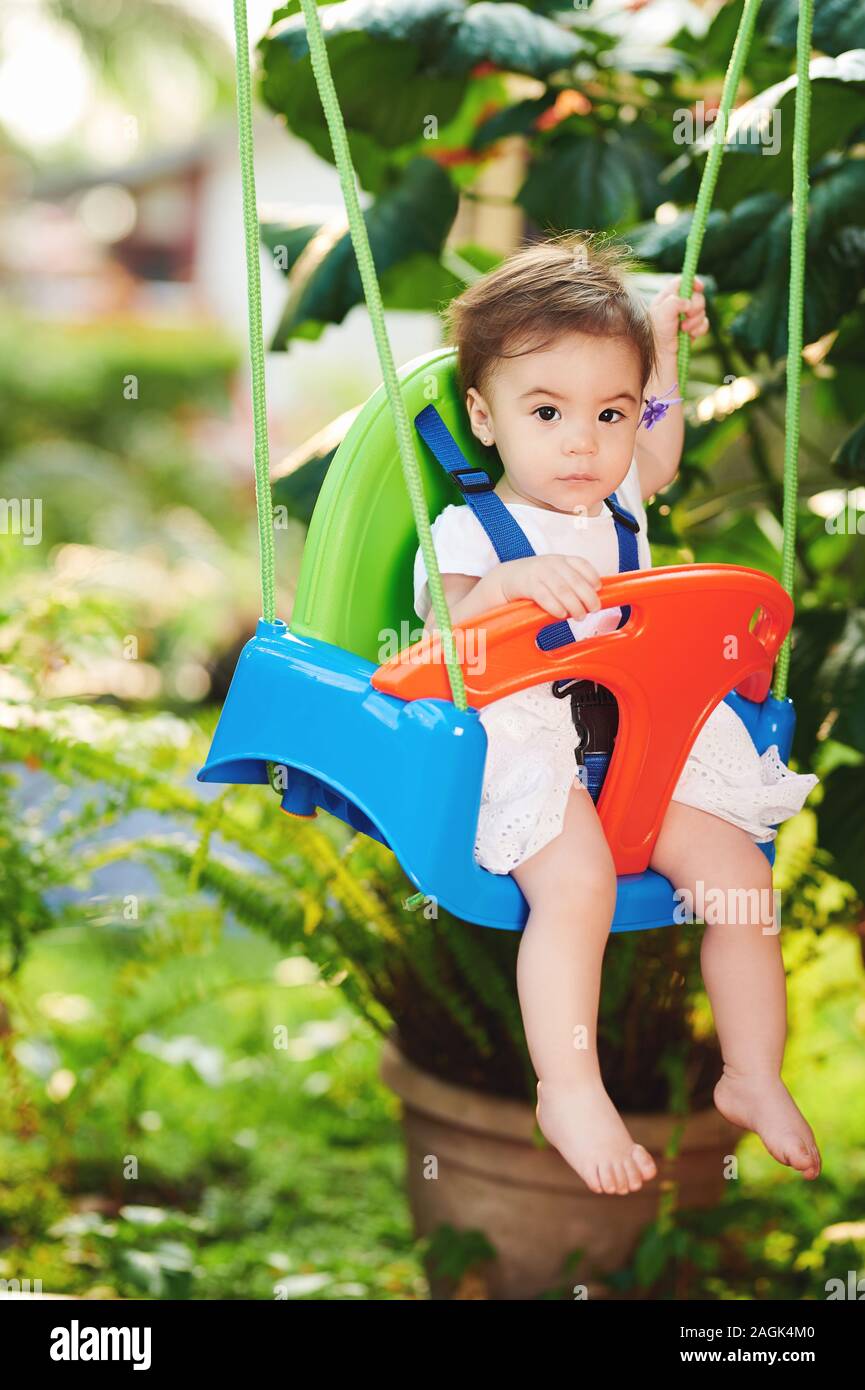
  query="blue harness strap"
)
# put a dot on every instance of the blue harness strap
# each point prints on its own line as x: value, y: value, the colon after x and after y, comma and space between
x: 508, y: 538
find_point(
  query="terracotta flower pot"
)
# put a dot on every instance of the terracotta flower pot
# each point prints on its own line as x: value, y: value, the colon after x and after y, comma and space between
x: 488, y: 1175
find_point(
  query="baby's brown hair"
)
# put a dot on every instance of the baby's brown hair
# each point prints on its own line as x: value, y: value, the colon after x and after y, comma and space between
x: 569, y: 283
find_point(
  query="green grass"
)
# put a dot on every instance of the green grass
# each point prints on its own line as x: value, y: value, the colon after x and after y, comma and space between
x: 209, y: 1124
x: 274, y: 1157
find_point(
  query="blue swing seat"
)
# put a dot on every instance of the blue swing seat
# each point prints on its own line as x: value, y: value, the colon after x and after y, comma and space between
x: 408, y: 773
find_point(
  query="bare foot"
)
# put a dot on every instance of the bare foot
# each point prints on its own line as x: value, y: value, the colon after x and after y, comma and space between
x: 764, y: 1105
x: 584, y: 1125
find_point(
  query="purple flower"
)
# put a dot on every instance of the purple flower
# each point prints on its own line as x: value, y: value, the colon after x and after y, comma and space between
x: 657, y: 407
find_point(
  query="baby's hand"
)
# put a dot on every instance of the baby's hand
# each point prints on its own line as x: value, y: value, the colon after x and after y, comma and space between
x: 563, y: 585
x: 665, y: 309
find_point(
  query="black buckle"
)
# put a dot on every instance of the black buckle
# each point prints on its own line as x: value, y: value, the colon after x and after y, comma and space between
x: 563, y: 687
x: 592, y: 695
x: 625, y: 520
x: 471, y: 485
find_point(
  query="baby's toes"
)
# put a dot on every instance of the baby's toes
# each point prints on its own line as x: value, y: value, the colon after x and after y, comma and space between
x: 609, y: 1179
x: 644, y: 1162
x: 816, y: 1162
x: 635, y: 1182
x: 798, y: 1153
x: 592, y: 1180
x: 622, y: 1180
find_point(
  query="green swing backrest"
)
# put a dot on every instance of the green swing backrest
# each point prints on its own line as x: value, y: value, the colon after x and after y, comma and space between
x: 356, y: 580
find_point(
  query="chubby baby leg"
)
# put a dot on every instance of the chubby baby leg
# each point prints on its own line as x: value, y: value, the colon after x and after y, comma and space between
x: 719, y: 865
x: 570, y: 886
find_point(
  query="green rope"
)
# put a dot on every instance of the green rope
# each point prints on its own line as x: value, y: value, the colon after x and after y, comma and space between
x: 799, y: 230
x: 711, y: 168
x: 795, y: 317
x: 264, y: 501
x: 372, y: 294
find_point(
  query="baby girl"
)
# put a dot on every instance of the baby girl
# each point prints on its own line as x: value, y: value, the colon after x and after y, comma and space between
x: 556, y: 358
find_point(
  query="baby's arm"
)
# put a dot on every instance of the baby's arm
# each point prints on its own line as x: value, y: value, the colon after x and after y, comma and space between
x: 659, y: 452
x: 563, y: 585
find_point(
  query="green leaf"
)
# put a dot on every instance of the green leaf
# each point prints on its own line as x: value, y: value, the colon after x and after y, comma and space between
x: 815, y: 631
x: 509, y: 36
x: 834, y: 279
x: 287, y: 236
x: 710, y: 52
x: 407, y: 228
x: 450, y: 1253
x: 840, y: 825
x: 728, y: 246
x: 595, y: 179
x: 838, y: 24
x: 748, y: 248
x: 363, y: 67
x: 849, y: 459
x: 751, y: 538
x: 298, y: 490
x: 295, y: 7
x: 418, y: 282
x: 826, y: 551
x: 706, y: 444
x: 165, y: 1272
x: 849, y: 343
x: 456, y: 148
x: 842, y: 680
x: 758, y: 143
x: 479, y: 258
x: 420, y: 53
x: 652, y: 1257
x: 520, y: 118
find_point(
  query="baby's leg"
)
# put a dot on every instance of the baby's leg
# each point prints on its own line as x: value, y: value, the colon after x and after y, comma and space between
x: 743, y: 970
x: 570, y: 886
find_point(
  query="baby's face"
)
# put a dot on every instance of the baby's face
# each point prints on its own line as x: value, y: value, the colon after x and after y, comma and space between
x: 571, y: 409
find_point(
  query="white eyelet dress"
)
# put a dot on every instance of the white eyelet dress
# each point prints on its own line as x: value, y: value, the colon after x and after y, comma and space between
x: 530, y: 766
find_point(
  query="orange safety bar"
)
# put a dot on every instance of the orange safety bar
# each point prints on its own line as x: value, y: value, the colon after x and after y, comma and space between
x: 687, y: 643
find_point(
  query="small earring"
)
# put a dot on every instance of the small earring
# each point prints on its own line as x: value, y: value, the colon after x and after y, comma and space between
x: 486, y: 439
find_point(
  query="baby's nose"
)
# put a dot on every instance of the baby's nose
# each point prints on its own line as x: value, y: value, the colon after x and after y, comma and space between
x: 581, y: 443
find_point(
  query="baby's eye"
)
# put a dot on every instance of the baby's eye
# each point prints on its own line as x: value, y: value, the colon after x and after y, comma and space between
x: 610, y: 410
x: 545, y: 418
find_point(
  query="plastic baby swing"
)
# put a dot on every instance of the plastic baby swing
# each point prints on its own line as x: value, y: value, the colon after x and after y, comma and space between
x: 397, y: 750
